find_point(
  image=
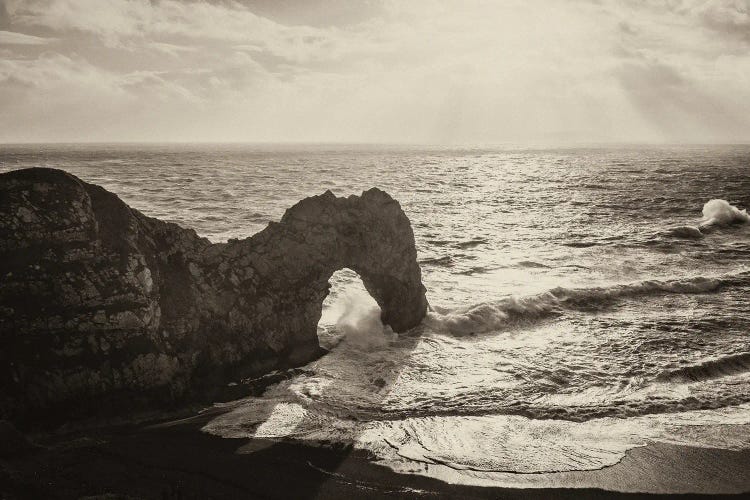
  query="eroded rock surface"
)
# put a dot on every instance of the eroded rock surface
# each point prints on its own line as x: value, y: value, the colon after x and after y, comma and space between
x: 103, y: 309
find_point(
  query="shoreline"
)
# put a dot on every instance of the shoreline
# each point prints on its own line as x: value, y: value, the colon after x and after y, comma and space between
x: 176, y: 460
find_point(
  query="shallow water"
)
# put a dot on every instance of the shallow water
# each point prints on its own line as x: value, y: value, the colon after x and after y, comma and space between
x: 584, y: 302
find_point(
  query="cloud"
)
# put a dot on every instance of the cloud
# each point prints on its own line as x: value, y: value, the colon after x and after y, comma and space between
x: 13, y: 38
x: 4, y: 16
x: 730, y: 19
x: 417, y: 71
x: 49, y: 71
x: 127, y: 22
x: 170, y: 48
x: 321, y: 13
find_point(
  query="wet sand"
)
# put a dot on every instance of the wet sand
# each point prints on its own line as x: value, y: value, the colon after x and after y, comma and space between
x: 177, y: 461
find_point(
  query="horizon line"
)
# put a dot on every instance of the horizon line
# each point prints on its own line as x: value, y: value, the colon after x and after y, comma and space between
x: 478, y: 145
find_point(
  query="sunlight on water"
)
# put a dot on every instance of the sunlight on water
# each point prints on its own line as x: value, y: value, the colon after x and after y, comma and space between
x: 584, y: 301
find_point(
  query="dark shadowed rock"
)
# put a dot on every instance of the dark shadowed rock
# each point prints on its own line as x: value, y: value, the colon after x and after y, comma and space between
x: 105, y: 310
x: 12, y: 442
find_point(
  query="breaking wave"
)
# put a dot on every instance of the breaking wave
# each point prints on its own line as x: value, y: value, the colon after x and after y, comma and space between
x: 354, y: 317
x: 710, y: 369
x: 504, y: 313
x: 684, y: 232
x: 716, y: 213
x: 721, y: 213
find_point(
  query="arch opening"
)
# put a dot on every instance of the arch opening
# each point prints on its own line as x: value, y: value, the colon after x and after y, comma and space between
x: 349, y: 313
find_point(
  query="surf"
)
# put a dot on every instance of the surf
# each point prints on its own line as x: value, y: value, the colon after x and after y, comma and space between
x: 709, y: 369
x: 509, y: 311
x: 718, y: 212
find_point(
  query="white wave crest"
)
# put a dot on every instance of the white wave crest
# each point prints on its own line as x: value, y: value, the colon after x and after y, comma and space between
x: 505, y: 313
x: 721, y: 213
x: 356, y: 317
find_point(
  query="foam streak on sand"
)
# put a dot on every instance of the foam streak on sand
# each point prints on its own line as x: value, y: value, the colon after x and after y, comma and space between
x: 522, y: 445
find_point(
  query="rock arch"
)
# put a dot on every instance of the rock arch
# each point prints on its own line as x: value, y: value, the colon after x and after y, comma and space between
x: 368, y: 234
x: 104, y: 307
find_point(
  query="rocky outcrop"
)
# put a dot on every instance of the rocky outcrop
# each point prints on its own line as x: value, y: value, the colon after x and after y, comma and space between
x: 105, y: 309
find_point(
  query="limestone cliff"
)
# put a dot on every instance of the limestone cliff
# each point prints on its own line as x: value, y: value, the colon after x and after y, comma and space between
x: 105, y: 309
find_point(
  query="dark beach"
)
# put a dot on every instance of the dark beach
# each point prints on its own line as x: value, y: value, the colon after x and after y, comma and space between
x: 175, y: 460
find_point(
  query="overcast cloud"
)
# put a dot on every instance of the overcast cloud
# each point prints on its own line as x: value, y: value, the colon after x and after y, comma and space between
x: 423, y: 71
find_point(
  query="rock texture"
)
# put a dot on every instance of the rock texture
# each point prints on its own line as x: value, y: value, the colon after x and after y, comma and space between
x: 103, y: 309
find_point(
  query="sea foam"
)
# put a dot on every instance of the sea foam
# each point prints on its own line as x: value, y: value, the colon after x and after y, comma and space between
x: 351, y: 315
x: 716, y: 213
x: 505, y: 313
x: 720, y: 213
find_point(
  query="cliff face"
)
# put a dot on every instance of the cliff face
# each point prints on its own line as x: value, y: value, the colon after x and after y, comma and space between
x: 105, y: 309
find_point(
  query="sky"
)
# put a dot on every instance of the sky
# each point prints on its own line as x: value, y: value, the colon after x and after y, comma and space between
x: 375, y: 71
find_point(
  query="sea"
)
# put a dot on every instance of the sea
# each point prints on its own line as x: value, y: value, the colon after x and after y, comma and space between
x: 584, y: 301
